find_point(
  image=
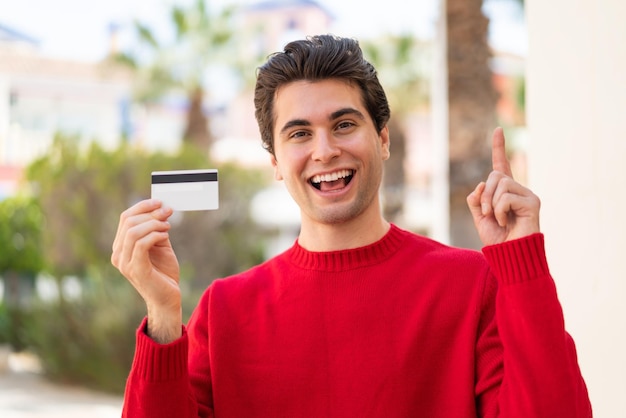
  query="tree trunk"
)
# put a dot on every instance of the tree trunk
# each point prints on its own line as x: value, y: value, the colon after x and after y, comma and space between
x: 197, y: 129
x: 394, y: 178
x: 472, y: 111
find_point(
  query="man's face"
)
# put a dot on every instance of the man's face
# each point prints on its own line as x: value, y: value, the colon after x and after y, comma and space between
x: 327, y: 150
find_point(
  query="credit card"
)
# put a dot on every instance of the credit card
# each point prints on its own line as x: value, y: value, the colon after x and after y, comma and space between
x: 186, y: 190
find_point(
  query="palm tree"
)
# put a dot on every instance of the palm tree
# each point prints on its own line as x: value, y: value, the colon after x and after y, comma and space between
x: 472, y: 110
x: 201, y: 40
x: 401, y: 64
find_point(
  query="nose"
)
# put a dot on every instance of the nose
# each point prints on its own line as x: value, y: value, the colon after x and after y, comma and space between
x: 325, y: 148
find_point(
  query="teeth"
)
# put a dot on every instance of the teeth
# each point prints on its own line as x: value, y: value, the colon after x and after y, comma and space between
x: 331, y: 176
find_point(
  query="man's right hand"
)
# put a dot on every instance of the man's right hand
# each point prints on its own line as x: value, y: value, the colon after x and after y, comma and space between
x: 143, y: 253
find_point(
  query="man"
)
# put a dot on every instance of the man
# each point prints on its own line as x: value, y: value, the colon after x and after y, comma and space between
x: 358, y: 318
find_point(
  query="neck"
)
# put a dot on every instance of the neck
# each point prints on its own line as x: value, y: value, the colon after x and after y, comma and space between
x: 342, y: 236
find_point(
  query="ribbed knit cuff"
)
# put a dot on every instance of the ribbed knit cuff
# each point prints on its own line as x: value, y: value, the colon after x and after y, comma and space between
x: 519, y: 260
x: 160, y: 362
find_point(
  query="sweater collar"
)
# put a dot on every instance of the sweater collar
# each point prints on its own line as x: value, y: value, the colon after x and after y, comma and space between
x: 343, y: 260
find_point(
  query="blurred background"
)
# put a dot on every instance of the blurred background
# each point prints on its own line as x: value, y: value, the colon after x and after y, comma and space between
x: 95, y: 96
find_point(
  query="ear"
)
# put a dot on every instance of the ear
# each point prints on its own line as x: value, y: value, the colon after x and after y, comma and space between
x: 277, y: 175
x: 385, y: 143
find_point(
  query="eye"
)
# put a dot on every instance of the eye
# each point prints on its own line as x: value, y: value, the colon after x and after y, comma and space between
x: 298, y: 135
x: 345, y: 125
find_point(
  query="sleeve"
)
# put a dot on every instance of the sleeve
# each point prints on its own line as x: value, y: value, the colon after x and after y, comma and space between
x: 159, y: 384
x: 526, y: 361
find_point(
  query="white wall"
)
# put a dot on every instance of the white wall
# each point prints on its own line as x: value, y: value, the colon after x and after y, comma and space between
x: 576, y: 107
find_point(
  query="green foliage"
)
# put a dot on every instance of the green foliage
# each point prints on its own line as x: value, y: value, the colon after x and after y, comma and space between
x: 88, y: 341
x: 520, y: 93
x: 82, y: 194
x: 20, y: 235
x: 403, y: 64
x: 145, y: 34
x: 15, y: 323
x: 5, y: 323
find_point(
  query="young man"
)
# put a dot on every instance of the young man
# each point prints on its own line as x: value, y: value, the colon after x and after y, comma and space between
x: 358, y: 318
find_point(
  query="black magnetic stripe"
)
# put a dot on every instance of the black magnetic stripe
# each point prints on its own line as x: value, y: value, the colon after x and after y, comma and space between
x: 183, y: 178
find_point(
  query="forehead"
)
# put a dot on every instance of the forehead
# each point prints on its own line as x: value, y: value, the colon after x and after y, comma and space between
x: 310, y: 100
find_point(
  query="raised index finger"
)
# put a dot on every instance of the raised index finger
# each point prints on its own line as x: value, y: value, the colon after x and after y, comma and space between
x: 498, y: 153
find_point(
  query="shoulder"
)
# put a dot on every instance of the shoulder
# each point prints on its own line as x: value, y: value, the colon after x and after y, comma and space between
x: 250, y: 281
x: 423, y: 259
x: 430, y: 250
x: 446, y: 273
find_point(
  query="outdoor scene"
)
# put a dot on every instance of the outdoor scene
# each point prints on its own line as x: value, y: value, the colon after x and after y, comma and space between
x: 79, y: 137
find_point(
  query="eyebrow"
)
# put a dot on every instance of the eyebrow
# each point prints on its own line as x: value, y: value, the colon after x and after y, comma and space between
x: 335, y: 115
x: 346, y: 111
x: 294, y: 122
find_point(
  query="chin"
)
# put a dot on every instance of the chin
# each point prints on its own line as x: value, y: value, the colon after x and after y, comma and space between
x: 336, y: 216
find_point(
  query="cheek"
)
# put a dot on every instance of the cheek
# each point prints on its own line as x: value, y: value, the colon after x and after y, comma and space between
x: 290, y: 163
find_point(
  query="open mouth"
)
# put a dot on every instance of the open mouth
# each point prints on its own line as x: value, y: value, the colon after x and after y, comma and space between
x: 332, y: 181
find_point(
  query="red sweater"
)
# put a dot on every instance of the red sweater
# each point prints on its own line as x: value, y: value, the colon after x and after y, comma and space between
x: 405, y: 327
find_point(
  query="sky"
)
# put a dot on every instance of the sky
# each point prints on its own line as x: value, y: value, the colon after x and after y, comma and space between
x: 78, y: 29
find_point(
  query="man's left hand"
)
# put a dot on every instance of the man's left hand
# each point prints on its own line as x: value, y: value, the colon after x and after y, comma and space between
x: 502, y: 208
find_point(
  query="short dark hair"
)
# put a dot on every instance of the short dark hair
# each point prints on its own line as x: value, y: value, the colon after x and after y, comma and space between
x: 317, y: 58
